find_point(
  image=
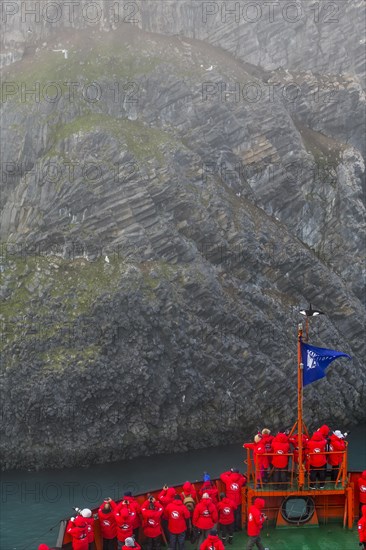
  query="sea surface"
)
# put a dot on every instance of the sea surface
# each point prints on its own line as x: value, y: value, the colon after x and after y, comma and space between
x: 33, y: 503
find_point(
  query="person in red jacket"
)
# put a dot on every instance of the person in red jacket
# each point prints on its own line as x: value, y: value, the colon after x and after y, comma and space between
x: 234, y: 481
x: 178, y: 517
x: 325, y: 431
x: 294, y: 441
x: 124, y: 520
x: 226, y: 509
x: 317, y: 459
x: 337, y: 446
x: 166, y: 496
x: 107, y: 524
x: 151, y: 512
x: 212, y: 542
x: 361, y: 527
x: 210, y: 488
x: 88, y: 516
x: 134, y: 511
x: 78, y: 529
x: 205, y: 517
x: 261, y: 462
x: 188, y: 490
x: 136, y: 508
x: 131, y: 544
x: 361, y: 483
x: 280, y: 448
x: 256, y: 519
x: 267, y: 439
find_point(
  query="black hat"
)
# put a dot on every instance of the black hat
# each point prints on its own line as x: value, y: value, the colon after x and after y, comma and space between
x: 213, y: 532
x: 127, y: 494
x: 177, y: 497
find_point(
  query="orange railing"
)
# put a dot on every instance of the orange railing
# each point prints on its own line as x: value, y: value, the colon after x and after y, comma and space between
x: 255, y: 471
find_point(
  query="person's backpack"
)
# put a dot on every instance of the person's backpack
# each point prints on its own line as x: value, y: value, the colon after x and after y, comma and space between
x: 189, y: 502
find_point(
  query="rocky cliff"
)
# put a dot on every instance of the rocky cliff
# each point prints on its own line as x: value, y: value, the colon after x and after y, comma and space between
x: 174, y: 187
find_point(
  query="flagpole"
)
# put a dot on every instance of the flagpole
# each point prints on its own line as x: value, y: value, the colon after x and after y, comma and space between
x: 301, y: 472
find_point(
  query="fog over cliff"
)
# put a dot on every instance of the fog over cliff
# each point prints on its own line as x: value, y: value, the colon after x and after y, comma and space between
x: 178, y: 178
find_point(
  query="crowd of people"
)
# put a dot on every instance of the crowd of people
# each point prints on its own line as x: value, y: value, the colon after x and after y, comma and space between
x: 206, y: 518
x: 273, y: 453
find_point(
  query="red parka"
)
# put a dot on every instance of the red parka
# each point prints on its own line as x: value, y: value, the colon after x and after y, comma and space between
x: 78, y: 529
x: 205, y: 514
x: 166, y: 496
x: 189, y: 490
x: 226, y: 509
x: 234, y: 481
x: 294, y: 440
x: 107, y: 522
x: 259, y: 449
x: 210, y: 488
x: 212, y: 542
x: 267, y: 442
x: 280, y: 446
x: 177, y: 514
x: 134, y: 507
x: 124, y: 521
x: 90, y: 527
x: 317, y: 445
x: 324, y: 430
x: 361, y: 482
x: 151, y: 521
x: 336, y: 444
x: 361, y: 525
x: 255, y: 518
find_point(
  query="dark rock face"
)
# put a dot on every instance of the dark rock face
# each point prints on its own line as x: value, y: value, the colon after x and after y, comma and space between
x: 162, y: 220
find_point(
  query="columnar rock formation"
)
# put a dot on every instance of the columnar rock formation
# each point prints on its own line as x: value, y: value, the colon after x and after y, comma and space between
x: 173, y: 189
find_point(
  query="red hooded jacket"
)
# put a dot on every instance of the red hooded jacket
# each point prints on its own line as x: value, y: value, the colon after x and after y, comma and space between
x: 259, y: 449
x: 361, y: 482
x: 78, y: 529
x: 361, y: 525
x: 255, y: 518
x: 280, y: 446
x: 167, y: 496
x: 210, y: 488
x: 189, y: 490
x: 317, y: 445
x: 124, y: 521
x: 336, y: 444
x: 226, y: 509
x: 177, y: 514
x: 133, y: 506
x: 205, y: 514
x: 90, y: 527
x: 234, y: 481
x: 212, y: 543
x: 107, y: 522
x: 151, y: 521
x: 324, y: 430
x: 294, y: 440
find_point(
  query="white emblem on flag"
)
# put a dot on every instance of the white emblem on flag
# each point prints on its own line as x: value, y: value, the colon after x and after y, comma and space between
x: 311, y: 362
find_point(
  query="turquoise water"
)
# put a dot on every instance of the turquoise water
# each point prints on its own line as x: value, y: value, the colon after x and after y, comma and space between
x: 34, y: 502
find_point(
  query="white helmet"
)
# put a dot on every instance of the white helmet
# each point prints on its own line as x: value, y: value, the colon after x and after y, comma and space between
x: 86, y: 513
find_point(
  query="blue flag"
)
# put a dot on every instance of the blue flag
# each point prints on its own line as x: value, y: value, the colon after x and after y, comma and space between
x: 316, y: 360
